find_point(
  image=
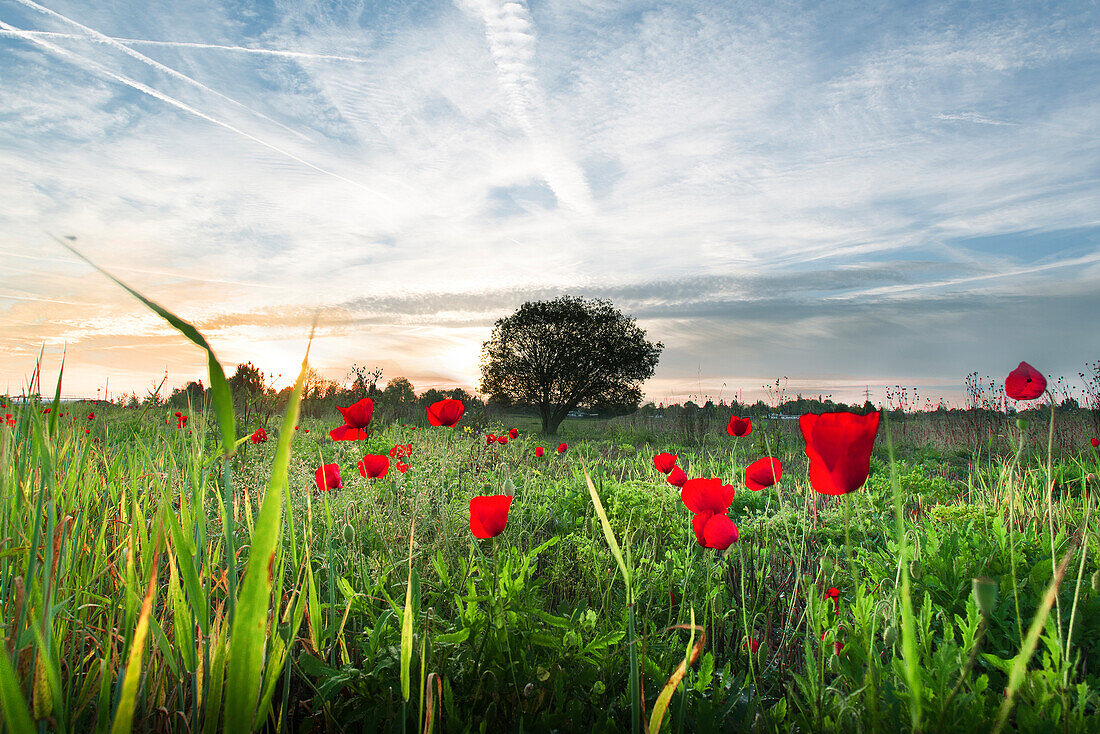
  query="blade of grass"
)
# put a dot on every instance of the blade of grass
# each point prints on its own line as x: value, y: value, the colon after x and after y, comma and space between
x: 219, y: 386
x: 1019, y: 665
x: 248, y: 631
x: 17, y: 717
x: 660, y: 706
x: 124, y: 714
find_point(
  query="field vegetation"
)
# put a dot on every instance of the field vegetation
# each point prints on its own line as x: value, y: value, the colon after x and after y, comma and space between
x: 190, y: 565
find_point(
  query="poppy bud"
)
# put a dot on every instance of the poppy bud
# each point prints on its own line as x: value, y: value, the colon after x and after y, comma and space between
x: 985, y: 594
x: 349, y: 533
x: 508, y: 487
x: 890, y: 636
x: 1021, y: 423
x: 598, y: 688
x: 528, y: 690
x: 914, y: 569
x: 1096, y: 581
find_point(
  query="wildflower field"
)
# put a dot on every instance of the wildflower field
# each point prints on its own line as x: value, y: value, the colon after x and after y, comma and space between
x: 170, y: 570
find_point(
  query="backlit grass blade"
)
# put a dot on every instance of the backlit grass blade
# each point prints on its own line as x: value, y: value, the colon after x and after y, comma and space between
x: 248, y: 633
x: 407, y: 624
x: 1019, y: 665
x: 909, y: 654
x: 13, y: 707
x: 124, y: 714
x: 56, y: 404
x: 665, y: 697
x: 609, y: 534
x: 219, y: 386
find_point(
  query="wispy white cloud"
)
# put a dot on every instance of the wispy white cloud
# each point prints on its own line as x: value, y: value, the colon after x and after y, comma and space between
x: 703, y: 166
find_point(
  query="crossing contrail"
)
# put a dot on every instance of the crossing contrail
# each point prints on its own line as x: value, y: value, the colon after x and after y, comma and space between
x: 94, y: 35
x: 191, y: 44
x: 91, y: 65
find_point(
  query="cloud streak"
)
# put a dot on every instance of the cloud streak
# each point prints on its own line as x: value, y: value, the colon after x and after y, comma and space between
x: 794, y: 189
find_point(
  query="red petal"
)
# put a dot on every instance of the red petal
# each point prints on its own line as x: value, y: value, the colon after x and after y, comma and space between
x: 839, y: 448
x: 763, y: 473
x: 698, y: 523
x: 677, y: 478
x: 489, y: 515
x: 348, y: 433
x: 374, y: 466
x: 358, y: 414
x: 1025, y: 382
x: 445, y: 412
x: 665, y: 462
x: 720, y: 532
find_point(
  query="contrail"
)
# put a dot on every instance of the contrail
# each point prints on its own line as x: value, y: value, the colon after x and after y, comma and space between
x: 86, y: 63
x: 213, y: 46
x: 107, y: 40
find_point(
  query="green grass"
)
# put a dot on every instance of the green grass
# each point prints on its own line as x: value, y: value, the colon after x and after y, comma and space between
x: 90, y: 521
x: 157, y: 578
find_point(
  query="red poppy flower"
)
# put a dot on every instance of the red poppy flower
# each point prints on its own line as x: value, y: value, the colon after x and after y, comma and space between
x: 834, y: 594
x: 677, y: 477
x: 401, y: 450
x: 489, y: 515
x: 91, y: 416
x: 665, y: 462
x: 562, y: 447
x: 753, y: 643
x: 1025, y: 382
x: 714, y: 530
x: 374, y: 466
x: 260, y: 436
x: 400, y: 466
x: 707, y: 495
x: 356, y: 419
x: 1095, y: 443
x: 305, y: 430
x: 739, y: 426
x: 86, y: 430
x: 514, y: 433
x: 839, y: 448
x: 181, y: 421
x: 328, y: 477
x: 9, y: 420
x: 178, y: 414
x: 538, y: 451
x: 763, y: 473
x: 490, y: 439
x: 446, y: 412
x: 46, y: 411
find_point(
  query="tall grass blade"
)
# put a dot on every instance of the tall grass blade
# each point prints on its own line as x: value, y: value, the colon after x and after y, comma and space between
x: 660, y: 706
x: 1019, y: 665
x: 248, y: 632
x: 407, y: 624
x: 219, y: 386
x: 909, y: 653
x: 124, y: 714
x: 13, y: 707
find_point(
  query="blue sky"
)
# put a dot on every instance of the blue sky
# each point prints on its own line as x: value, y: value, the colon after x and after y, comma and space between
x: 842, y: 194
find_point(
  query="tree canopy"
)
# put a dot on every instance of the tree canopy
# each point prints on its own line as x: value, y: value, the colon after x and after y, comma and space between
x: 559, y: 354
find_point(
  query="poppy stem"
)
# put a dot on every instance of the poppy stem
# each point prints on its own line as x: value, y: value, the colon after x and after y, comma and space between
x: 847, y: 531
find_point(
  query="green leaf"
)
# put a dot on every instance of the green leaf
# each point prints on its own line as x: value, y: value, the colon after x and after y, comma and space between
x: 17, y: 717
x: 219, y: 386
x: 248, y: 635
x: 612, y: 543
x: 407, y: 624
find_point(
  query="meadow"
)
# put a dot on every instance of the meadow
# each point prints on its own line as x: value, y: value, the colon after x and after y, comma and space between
x: 164, y: 572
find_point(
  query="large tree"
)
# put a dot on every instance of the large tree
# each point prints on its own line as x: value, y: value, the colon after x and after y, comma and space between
x: 559, y: 354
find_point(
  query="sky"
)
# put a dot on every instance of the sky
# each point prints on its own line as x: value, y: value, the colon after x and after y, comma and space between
x: 850, y: 196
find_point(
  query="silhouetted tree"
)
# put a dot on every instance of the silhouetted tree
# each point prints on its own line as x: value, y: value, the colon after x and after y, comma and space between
x: 566, y: 352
